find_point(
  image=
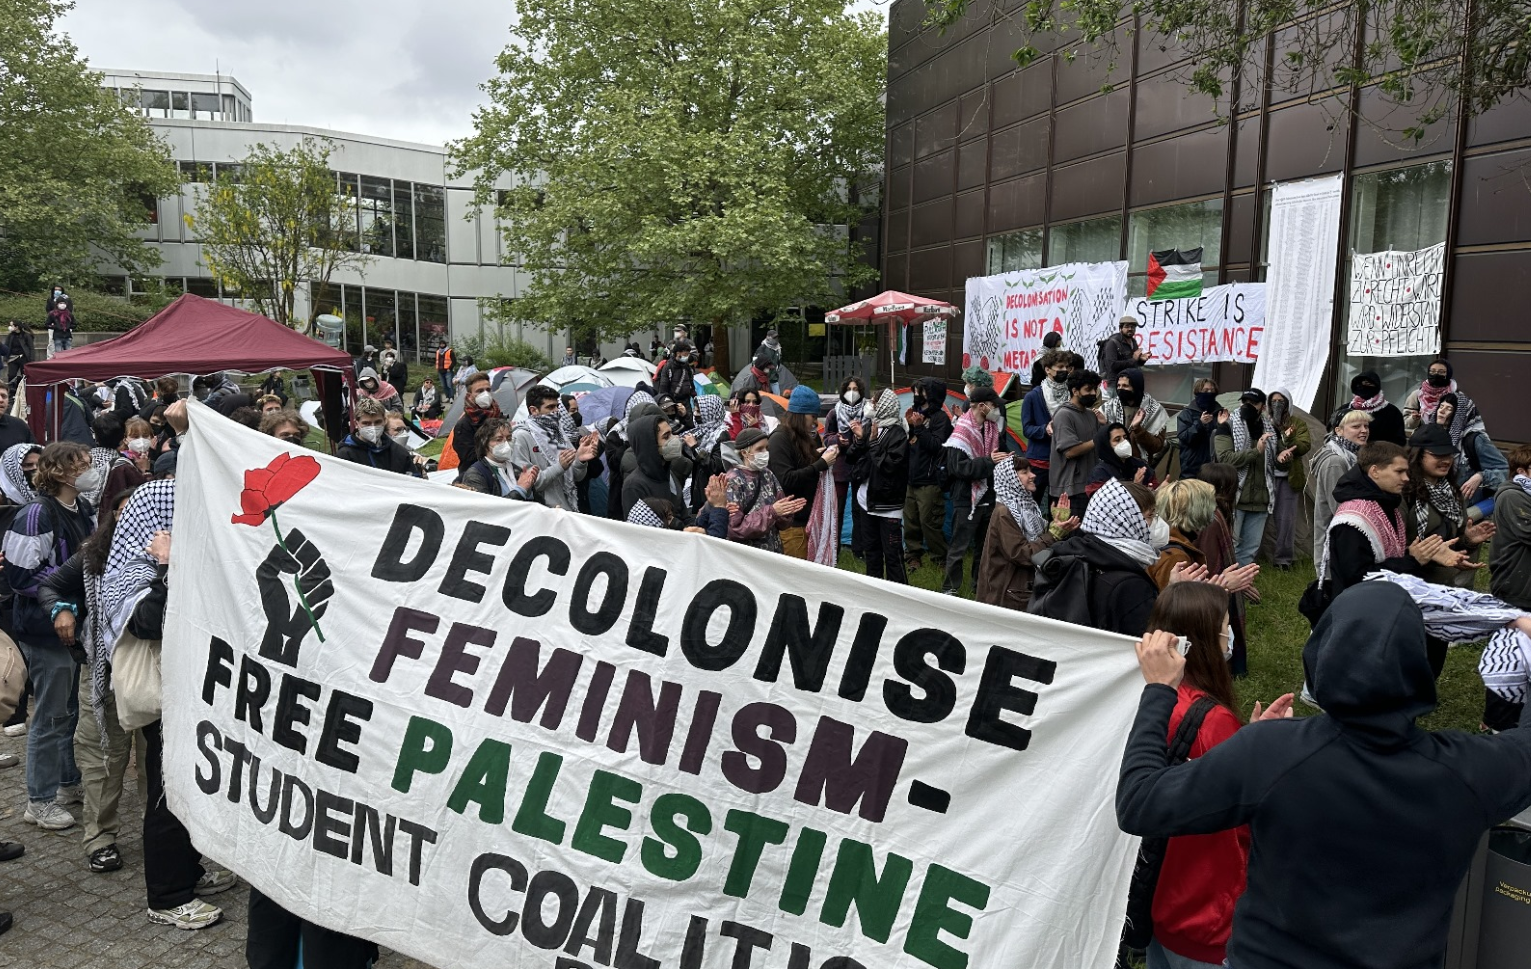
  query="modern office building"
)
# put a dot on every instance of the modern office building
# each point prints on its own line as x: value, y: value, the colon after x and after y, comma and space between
x: 436, y: 256
x: 993, y: 167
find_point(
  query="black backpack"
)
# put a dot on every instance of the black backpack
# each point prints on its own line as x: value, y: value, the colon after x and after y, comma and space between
x: 1063, y: 588
x: 1145, y: 874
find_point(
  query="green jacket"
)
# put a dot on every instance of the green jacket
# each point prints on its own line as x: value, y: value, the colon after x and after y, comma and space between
x: 1297, y: 436
x: 1254, y: 496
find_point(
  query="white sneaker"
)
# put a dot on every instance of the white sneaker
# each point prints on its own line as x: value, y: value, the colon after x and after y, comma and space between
x: 70, y: 794
x: 8, y: 760
x: 48, y: 816
x: 215, y: 881
x: 195, y: 914
x: 16, y: 730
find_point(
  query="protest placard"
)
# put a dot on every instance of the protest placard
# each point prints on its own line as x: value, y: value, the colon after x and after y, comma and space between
x: 1395, y: 303
x: 935, y: 342
x: 1008, y: 314
x: 1224, y: 324
x: 487, y: 733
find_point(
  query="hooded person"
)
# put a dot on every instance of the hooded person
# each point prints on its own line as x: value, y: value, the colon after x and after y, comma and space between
x: 755, y: 377
x: 547, y: 441
x: 639, y: 403
x: 1146, y: 420
x: 924, y: 502
x: 1387, y: 419
x: 15, y: 477
x: 649, y: 438
x: 369, y: 384
x: 706, y: 456
x: 1116, y: 459
x: 1098, y: 576
x: 770, y: 351
x: 880, y: 459
x: 1291, y: 443
x: 1419, y: 406
x: 1360, y: 799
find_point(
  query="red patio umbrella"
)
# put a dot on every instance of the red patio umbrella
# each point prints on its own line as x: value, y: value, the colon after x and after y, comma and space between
x: 898, y: 309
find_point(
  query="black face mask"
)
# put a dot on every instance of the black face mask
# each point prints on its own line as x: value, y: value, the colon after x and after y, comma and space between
x: 1130, y: 398
x: 1059, y: 378
x: 1439, y: 380
x: 1089, y: 400
x: 579, y: 419
x: 1367, y: 391
x: 1250, y: 413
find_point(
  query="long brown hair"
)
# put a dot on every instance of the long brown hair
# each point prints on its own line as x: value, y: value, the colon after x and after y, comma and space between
x: 804, y: 431
x: 1197, y: 610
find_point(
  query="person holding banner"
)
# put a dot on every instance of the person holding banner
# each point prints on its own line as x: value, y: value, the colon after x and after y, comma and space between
x: 1359, y: 799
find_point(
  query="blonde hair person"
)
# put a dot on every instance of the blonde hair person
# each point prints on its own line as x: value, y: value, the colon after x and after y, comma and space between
x: 1187, y: 506
x: 1331, y: 460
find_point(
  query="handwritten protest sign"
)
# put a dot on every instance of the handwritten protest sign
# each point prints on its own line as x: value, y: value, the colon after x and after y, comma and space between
x: 1224, y: 324
x: 487, y: 733
x: 1395, y: 303
x: 935, y: 342
x: 1009, y: 314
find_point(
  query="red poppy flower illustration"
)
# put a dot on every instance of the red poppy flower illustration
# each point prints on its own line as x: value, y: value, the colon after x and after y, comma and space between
x: 267, y: 489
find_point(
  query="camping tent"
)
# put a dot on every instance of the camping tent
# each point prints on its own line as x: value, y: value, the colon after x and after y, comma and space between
x: 628, y: 371
x: 196, y: 336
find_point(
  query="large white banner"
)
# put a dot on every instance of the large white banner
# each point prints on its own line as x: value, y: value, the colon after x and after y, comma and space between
x: 1009, y: 314
x: 1304, y: 245
x: 1395, y: 303
x: 1225, y: 324
x: 486, y: 733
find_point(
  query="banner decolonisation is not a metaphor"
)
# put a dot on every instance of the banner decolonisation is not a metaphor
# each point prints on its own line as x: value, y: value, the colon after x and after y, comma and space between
x: 487, y: 733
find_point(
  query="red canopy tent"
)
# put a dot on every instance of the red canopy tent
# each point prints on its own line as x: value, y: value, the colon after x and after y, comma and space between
x: 196, y: 336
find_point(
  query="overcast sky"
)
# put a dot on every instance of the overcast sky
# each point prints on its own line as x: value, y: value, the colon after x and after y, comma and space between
x: 401, y: 69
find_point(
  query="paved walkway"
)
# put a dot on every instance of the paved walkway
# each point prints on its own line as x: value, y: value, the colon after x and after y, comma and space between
x: 69, y: 918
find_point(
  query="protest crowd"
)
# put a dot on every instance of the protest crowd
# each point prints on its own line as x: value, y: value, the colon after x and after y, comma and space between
x: 1335, y: 838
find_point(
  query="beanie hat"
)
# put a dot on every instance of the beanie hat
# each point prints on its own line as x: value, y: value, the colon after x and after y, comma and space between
x: 748, y: 436
x: 804, y: 400
x: 977, y: 376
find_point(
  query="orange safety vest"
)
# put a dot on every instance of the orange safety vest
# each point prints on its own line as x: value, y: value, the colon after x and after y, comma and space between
x: 444, y: 359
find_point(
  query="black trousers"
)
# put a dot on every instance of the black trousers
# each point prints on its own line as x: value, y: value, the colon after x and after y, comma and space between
x: 881, y: 541
x: 967, y: 533
x: 171, y: 864
x: 1499, y: 713
x: 274, y: 934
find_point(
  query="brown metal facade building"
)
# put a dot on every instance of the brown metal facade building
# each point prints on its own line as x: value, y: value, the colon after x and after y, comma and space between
x: 992, y: 168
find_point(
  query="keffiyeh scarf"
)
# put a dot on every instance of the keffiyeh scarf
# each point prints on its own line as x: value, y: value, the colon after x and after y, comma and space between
x: 1054, y: 394
x: 711, y: 423
x: 642, y: 514
x: 1385, y: 533
x: 1114, y: 517
x: 1464, y: 419
x: 823, y: 530
x: 1242, y: 442
x: 887, y: 413
x: 638, y: 397
x: 554, y: 433
x: 1439, y: 494
x: 129, y: 569
x: 1009, y: 491
x: 1371, y: 404
x: 1154, y: 416
x: 976, y: 439
x: 1430, y: 396
x: 13, y: 481
x: 1524, y: 482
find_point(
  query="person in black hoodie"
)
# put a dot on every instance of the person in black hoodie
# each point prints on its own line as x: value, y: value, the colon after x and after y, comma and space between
x: 370, y: 445
x: 13, y: 430
x: 879, y: 478
x: 648, y: 437
x: 1098, y: 576
x: 1360, y: 800
x: 1387, y: 419
x: 924, y: 502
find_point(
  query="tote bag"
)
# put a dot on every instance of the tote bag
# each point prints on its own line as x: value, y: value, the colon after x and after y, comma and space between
x: 136, y: 681
x: 13, y: 676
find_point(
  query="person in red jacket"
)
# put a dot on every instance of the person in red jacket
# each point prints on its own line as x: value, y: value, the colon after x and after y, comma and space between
x: 1202, y: 875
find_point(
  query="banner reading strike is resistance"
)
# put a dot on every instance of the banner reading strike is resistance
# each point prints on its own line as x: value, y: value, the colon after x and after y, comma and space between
x: 486, y: 733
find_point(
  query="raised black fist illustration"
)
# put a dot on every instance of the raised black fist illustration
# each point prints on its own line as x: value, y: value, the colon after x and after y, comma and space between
x: 295, y: 589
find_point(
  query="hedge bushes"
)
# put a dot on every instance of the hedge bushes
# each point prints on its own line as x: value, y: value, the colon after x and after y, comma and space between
x: 93, y: 312
x: 501, y: 351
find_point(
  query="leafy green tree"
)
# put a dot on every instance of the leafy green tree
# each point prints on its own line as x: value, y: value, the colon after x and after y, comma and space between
x: 79, y: 172
x: 1440, y: 58
x: 680, y: 161
x: 281, y: 224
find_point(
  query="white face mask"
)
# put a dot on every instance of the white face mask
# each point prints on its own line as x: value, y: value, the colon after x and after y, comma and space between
x: 1228, y: 643
x: 483, y: 400
x: 869, y: 411
x: 371, y: 434
x: 501, y: 452
x: 1123, y: 449
x: 1159, y: 533
x: 89, y: 481
x: 967, y: 390
x: 671, y: 449
x: 760, y: 461
x: 402, y: 437
x: 993, y: 415
x: 139, y: 444
x: 853, y: 397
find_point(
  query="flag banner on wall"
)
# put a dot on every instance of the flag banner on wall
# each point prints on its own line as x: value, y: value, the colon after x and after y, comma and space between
x: 1395, y: 303
x: 1173, y: 274
x: 487, y: 733
x: 1008, y: 314
x: 1224, y: 324
x: 1304, y: 246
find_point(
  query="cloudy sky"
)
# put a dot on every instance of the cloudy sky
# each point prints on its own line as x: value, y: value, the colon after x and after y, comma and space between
x: 394, y: 68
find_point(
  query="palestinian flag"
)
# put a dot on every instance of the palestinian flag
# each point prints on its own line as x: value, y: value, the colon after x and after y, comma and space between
x: 1173, y: 274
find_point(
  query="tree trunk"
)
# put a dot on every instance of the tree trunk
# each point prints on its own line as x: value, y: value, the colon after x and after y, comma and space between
x: 721, y: 360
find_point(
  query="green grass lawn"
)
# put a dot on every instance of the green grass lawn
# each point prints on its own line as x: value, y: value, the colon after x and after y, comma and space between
x: 1277, y: 633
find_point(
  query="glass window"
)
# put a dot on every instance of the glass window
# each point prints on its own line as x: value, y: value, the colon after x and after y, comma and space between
x: 228, y: 107
x: 409, y: 336
x: 351, y: 306
x: 430, y: 227
x: 180, y: 104
x: 381, y: 317
x: 227, y: 171
x: 346, y: 188
x: 195, y: 171
x: 129, y: 97
x: 115, y: 285
x: 202, y: 286
x: 1015, y: 250
x: 1093, y: 240
x: 404, y: 220
x: 1401, y: 209
x: 433, y: 322
x: 156, y: 104
x: 204, y: 106
x: 324, y: 299
x: 1181, y: 227
x: 376, y: 217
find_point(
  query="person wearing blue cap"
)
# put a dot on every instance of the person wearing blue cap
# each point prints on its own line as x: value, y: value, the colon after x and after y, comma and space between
x: 798, y: 458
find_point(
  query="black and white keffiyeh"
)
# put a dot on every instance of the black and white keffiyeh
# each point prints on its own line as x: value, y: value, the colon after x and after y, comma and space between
x: 13, y: 480
x: 1243, y: 442
x: 1155, y: 418
x: 638, y: 397
x: 1440, y: 495
x: 129, y: 568
x: 1505, y: 665
x: 1451, y: 613
x: 711, y: 422
x: 1009, y: 491
x: 1114, y: 517
x: 1524, y: 482
x: 642, y: 514
x: 554, y: 433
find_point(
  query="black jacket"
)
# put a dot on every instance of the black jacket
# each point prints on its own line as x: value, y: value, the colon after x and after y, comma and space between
x: 485, y: 480
x: 927, y: 442
x: 13, y: 431
x: 674, y: 380
x: 463, y: 432
x: 651, y: 477
x: 1386, y: 425
x: 797, y: 480
x: 1350, y: 552
x: 387, y: 455
x: 1121, y: 593
x: 1195, y: 440
x: 1116, y: 355
x: 1360, y: 800
x: 962, y: 470
x: 883, y: 464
